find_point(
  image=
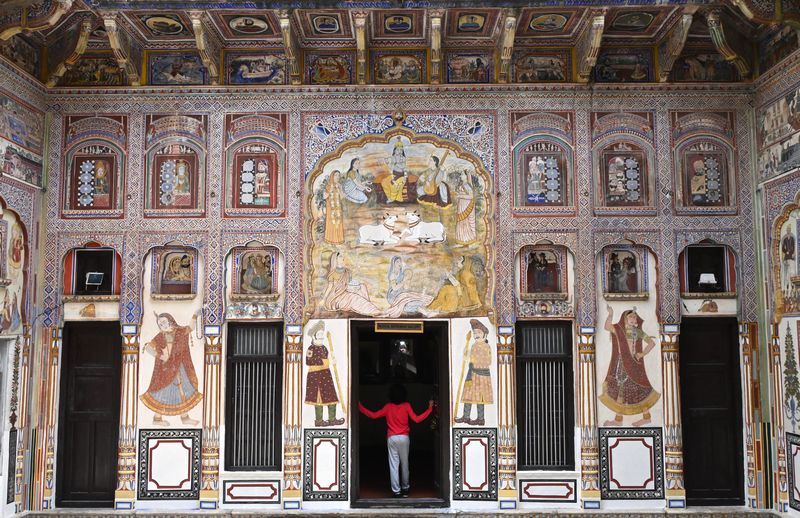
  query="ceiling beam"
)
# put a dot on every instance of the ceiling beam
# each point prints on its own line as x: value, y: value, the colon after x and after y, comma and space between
x: 717, y: 32
x: 506, y: 45
x: 290, y: 47
x: 75, y: 55
x: 588, y: 46
x: 57, y: 10
x: 360, y: 18
x: 207, y: 46
x: 121, y: 46
x: 436, y: 16
x: 670, y: 49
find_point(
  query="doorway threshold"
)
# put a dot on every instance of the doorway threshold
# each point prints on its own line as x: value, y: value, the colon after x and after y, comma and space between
x: 399, y: 503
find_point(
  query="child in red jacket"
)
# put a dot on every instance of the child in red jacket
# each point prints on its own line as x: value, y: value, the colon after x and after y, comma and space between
x: 397, y: 412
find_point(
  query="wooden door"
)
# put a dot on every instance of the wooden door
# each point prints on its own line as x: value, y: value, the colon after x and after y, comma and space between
x: 711, y: 411
x: 89, y: 414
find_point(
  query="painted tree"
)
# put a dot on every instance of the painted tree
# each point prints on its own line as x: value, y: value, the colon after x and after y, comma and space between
x: 791, y: 388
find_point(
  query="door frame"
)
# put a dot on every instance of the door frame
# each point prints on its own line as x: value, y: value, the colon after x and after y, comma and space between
x: 62, y: 413
x: 444, y: 423
x: 738, y: 411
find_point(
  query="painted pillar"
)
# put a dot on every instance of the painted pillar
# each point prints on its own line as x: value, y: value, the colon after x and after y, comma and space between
x: 673, y: 435
x: 209, y: 456
x: 125, y: 495
x: 22, y: 416
x: 776, y: 376
x: 506, y: 418
x: 748, y: 340
x: 587, y: 400
x: 47, y: 446
x: 292, y: 417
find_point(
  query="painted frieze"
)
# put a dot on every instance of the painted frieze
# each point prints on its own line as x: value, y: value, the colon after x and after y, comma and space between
x: 624, y: 65
x: 540, y: 65
x: 778, y: 134
x: 94, y: 70
x: 255, y: 68
x: 470, y: 67
x: 400, y: 225
x: 329, y: 67
x: 176, y: 69
x: 399, y: 67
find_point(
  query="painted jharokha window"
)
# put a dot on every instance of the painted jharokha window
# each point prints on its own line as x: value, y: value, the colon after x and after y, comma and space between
x: 543, y: 179
x: 256, y: 167
x: 94, y: 178
x: 624, y: 175
x: 704, y: 174
x: 92, y: 271
x: 174, y: 273
x: 175, y: 167
x: 543, y: 273
x: 253, y: 397
x: 545, y: 394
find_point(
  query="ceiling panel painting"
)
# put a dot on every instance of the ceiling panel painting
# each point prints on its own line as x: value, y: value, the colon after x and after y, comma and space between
x: 246, y: 25
x: 325, y: 24
x: 162, y: 26
x: 407, y: 24
x: 639, y: 23
x: 471, y: 23
x: 548, y: 23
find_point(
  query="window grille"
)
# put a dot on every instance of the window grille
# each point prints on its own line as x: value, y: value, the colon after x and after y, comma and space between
x: 254, y: 388
x: 545, y: 396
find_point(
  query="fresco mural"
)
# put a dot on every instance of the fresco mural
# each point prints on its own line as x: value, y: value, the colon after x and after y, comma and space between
x: 399, y: 227
x: 531, y: 66
x: 624, y: 65
x: 94, y: 70
x: 327, y: 68
x: 247, y: 68
x: 167, y: 69
x: 776, y: 44
x: 20, y: 164
x: 778, y: 134
x: 24, y: 54
x: 326, y: 365
x: 469, y: 67
x: 255, y: 275
x: 390, y: 67
x: 21, y: 124
x: 703, y: 64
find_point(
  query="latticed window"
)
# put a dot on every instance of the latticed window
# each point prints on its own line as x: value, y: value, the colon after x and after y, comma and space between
x: 545, y: 395
x: 253, y: 412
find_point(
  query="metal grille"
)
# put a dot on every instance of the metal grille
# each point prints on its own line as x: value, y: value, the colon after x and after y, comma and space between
x: 545, y: 398
x: 253, y: 413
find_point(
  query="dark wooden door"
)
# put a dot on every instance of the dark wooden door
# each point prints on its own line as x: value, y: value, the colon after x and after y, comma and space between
x: 89, y: 414
x: 711, y: 411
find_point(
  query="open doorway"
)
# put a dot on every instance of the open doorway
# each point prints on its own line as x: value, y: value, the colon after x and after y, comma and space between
x: 418, y: 361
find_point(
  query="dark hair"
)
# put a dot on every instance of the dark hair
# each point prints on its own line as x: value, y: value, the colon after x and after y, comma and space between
x: 435, y: 160
x: 397, y: 394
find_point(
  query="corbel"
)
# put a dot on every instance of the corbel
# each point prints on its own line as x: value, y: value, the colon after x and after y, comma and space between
x: 360, y: 19
x: 588, y: 47
x: 206, y: 46
x: 290, y: 47
x: 77, y: 52
x: 121, y: 46
x: 717, y: 32
x: 436, y: 46
x: 506, y: 45
x: 670, y: 49
x: 60, y: 7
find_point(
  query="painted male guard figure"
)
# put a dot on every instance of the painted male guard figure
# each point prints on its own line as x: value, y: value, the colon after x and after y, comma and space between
x: 320, y: 390
x: 477, y: 389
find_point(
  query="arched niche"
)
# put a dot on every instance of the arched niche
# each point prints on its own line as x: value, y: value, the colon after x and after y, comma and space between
x: 708, y: 278
x: 254, y: 282
x: 93, y: 271
x: 14, y: 260
x: 545, y: 280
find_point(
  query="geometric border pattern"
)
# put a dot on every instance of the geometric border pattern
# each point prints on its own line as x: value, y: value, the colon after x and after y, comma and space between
x: 658, y: 461
x: 792, y: 440
x: 572, y: 484
x: 308, y: 467
x: 144, y: 460
x: 458, y: 435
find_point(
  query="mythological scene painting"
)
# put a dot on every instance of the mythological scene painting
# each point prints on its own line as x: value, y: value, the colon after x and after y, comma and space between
x: 624, y: 65
x: 543, y: 273
x: 93, y: 178
x: 400, y: 228
x: 24, y: 54
x: 625, y: 273
x: 624, y: 176
x: 10, y: 316
x: 778, y: 132
x: 20, y: 164
x: 469, y: 67
x: 542, y: 65
x: 254, y: 273
x: 16, y: 248
x: 705, y: 169
x: 174, y: 271
x: 175, y: 175
x: 21, y: 124
x: 398, y: 68
x: 255, y: 169
x: 542, y: 174
x: 99, y: 70
x: 329, y: 68
x: 703, y: 64
x: 180, y: 69
x: 250, y: 68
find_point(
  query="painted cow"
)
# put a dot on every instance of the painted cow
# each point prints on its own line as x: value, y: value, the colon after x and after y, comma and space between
x: 381, y: 234
x: 423, y: 232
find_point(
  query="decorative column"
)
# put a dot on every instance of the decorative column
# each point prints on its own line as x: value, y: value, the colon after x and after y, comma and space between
x: 22, y: 414
x: 587, y: 378
x: 209, y: 456
x: 292, y: 417
x: 778, y: 431
x: 48, y: 407
x: 673, y: 435
x: 125, y: 495
x: 506, y: 418
x: 748, y: 340
x: 17, y: 432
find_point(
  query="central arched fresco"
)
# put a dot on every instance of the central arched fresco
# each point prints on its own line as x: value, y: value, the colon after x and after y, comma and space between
x: 399, y: 224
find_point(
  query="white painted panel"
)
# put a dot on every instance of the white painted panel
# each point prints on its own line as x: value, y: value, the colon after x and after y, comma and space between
x: 631, y: 463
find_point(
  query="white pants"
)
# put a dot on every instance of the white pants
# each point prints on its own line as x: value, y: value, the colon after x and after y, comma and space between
x: 398, y: 461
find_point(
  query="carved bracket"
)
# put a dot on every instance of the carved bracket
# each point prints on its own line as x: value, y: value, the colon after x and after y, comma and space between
x: 290, y: 47
x: 360, y: 18
x: 588, y: 46
x: 207, y: 46
x: 436, y: 46
x: 670, y: 49
x: 22, y: 23
x: 77, y: 52
x: 506, y: 46
x: 717, y: 32
x: 123, y: 52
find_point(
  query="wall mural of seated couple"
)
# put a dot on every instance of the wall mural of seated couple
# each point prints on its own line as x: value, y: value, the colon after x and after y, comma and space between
x: 400, y: 227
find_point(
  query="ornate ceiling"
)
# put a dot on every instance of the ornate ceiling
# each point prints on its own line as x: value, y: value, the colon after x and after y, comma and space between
x: 253, y: 42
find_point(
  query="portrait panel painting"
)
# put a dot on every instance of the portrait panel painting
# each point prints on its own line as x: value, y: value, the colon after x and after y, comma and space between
x: 255, y: 168
x: 175, y: 271
x: 625, y: 273
x: 395, y: 68
x: 542, y: 169
x: 175, y: 177
x: 705, y: 169
x: 469, y: 67
x: 254, y: 273
x: 624, y: 176
x: 543, y: 273
x: 328, y: 68
x: 93, y: 179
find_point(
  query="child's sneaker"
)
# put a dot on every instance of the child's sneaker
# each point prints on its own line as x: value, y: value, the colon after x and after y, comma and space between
x: 404, y: 492
x: 397, y: 495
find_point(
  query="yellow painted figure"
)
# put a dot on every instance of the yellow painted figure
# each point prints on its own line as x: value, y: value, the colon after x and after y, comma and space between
x: 477, y: 384
x: 460, y: 290
x: 394, y: 185
x: 334, y: 226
